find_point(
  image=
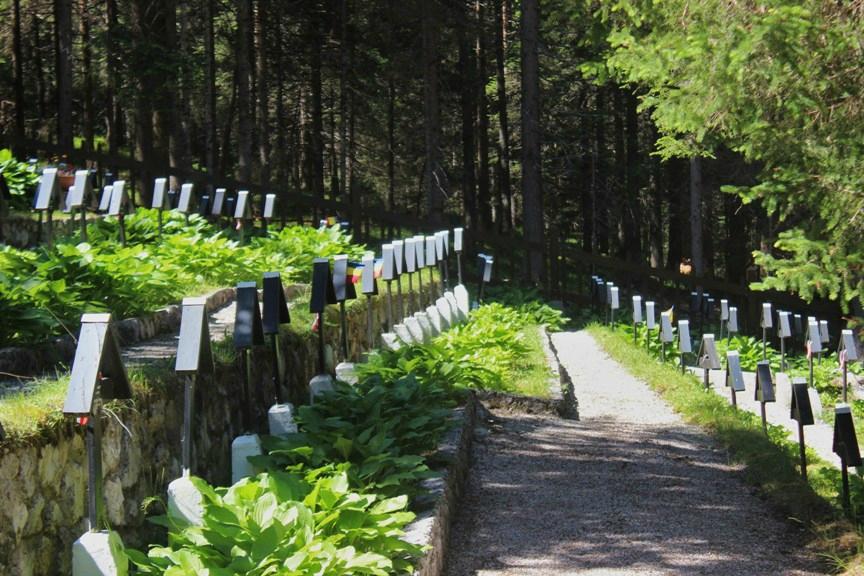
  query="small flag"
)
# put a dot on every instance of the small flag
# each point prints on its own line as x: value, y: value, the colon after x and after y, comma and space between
x: 843, y: 358
x: 316, y: 323
x: 809, y: 351
x: 83, y: 420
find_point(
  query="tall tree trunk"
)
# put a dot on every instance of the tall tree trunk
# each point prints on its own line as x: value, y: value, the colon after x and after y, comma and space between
x: 343, y: 93
x: 18, y: 55
x: 502, y: 166
x: 145, y: 85
x: 112, y: 92
x: 434, y: 173
x: 619, y: 207
x: 587, y: 204
x: 87, y: 64
x: 676, y: 176
x: 633, y: 208
x: 63, y: 48
x: 41, y: 84
x: 484, y: 198
x: 211, y: 136
x: 262, y: 23
x: 655, y: 215
x: 468, y: 70
x: 244, y: 97
x: 316, y: 125
x: 696, y: 253
x: 600, y: 184
x: 532, y: 183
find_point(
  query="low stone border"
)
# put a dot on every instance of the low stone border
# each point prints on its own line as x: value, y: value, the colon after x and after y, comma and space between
x: 432, y: 526
x: 41, y: 358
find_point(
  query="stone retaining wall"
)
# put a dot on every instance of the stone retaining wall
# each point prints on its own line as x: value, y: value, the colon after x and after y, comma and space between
x: 42, y: 503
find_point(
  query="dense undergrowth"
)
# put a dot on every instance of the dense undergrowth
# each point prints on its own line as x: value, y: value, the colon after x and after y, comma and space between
x: 336, y: 497
x: 43, y: 292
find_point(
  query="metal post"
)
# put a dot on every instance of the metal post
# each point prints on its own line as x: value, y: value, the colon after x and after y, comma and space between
x: 663, y: 351
x: 682, y: 362
x: 322, y: 367
x: 122, y: 226
x: 764, y: 418
x: 370, y: 322
x: 247, y: 383
x: 810, y: 361
x: 399, y: 298
x: 445, y: 275
x: 188, y: 414
x: 94, y: 468
x: 635, y: 331
x: 344, y: 328
x: 734, y: 397
x: 782, y: 354
x: 802, y: 449
x: 844, y: 473
x: 706, y: 379
x: 49, y: 229
x: 845, y: 381
x: 277, y: 376
x: 389, y: 305
x: 420, y: 287
x: 764, y: 345
x: 411, y: 306
x: 159, y: 216
x: 83, y: 224
x: 459, y: 266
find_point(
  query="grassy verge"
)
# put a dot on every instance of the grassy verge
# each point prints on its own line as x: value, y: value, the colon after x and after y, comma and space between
x: 770, y: 461
x: 531, y: 373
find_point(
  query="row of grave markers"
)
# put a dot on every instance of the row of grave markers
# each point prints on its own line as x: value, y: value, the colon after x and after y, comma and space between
x: 98, y: 373
x: 114, y: 201
x: 845, y: 443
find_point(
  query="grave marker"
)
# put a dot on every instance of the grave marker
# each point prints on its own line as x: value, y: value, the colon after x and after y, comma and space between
x: 242, y: 213
x: 732, y: 324
x: 845, y: 445
x: 614, y: 304
x: 410, y: 255
x: 637, y: 316
x: 343, y: 288
x: 322, y: 295
x: 431, y: 262
x: 218, y: 202
x: 78, y: 195
x: 665, y: 333
x: 684, y: 345
x: 105, y: 199
x: 159, y: 195
x: 801, y: 412
x: 649, y: 321
x: 734, y: 375
x: 764, y: 389
x: 457, y: 247
x: 370, y: 288
x: 387, y: 274
x: 248, y: 333
x: 766, y: 322
x: 185, y: 201
x: 708, y: 358
x: 399, y: 263
x: 784, y: 330
x: 847, y: 352
x: 97, y: 374
x: 813, y: 344
x: 724, y: 314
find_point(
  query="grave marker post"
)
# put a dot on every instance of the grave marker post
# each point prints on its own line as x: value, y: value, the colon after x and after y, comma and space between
x: 410, y: 266
x: 387, y: 275
x: 275, y: 314
x: 369, y: 288
x: 766, y: 322
x: 814, y: 344
x: 724, y: 314
x: 47, y: 198
x: 824, y: 337
x: 420, y: 256
x: 637, y: 316
x: 613, y: 305
x: 117, y: 207
x: 457, y: 247
x: 845, y: 445
x: 848, y: 352
x: 734, y: 375
x: 159, y: 199
x: 764, y: 389
x: 83, y: 189
x: 269, y: 209
x: 784, y: 330
x: 708, y: 358
x: 399, y: 262
x: 684, y: 345
x: 802, y: 412
x: 649, y: 321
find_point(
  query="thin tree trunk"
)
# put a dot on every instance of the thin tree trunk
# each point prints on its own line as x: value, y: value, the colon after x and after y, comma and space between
x: 619, y: 208
x: 586, y: 188
x: 262, y: 19
x: 483, y: 190
x: 532, y: 184
x: 600, y: 185
x: 18, y: 55
x: 343, y: 93
x: 87, y: 64
x: 655, y: 226
x: 676, y: 190
x: 211, y: 136
x: 63, y: 48
x: 244, y: 97
x: 468, y: 89
x: 696, y: 253
x: 502, y: 167
x: 316, y: 133
x: 41, y: 84
x: 112, y: 93
x: 632, y: 210
x: 434, y: 173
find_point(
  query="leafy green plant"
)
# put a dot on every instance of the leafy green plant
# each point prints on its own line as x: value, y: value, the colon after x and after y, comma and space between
x: 285, y: 523
x: 21, y: 179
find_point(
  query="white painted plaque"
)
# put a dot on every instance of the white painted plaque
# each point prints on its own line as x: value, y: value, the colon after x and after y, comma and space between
x: 848, y: 343
x: 398, y: 255
x: 269, y: 205
x: 666, y: 327
x: 684, y: 345
x: 118, y: 198
x: 446, y: 235
x: 218, y: 201
x: 784, y: 330
x: 241, y: 209
x: 457, y: 239
x: 430, y: 251
x: 613, y: 303
x: 387, y: 258
x: 732, y: 325
x: 410, y: 255
x: 823, y: 331
x: 420, y: 248
x: 80, y: 191
x: 48, y: 191
x: 105, y: 200
x: 439, y: 245
x: 649, y: 314
x: 637, y: 309
x: 368, y: 276
x: 767, y: 320
x: 708, y: 357
x: 159, y: 196
x: 185, y: 197
x: 814, y: 337
x: 734, y: 375
x: 724, y: 309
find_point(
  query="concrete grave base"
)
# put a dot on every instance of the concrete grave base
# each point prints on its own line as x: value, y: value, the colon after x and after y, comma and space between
x: 462, y: 300
x: 243, y: 447
x: 455, y: 313
x: 346, y: 372
x: 280, y: 418
x: 444, y: 310
x: 99, y: 554
x: 185, y: 504
x: 425, y: 325
x: 403, y: 334
x: 320, y: 384
x: 435, y: 319
x: 415, y: 329
x: 390, y: 341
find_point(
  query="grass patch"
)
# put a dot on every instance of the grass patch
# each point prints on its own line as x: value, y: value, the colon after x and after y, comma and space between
x: 771, y: 462
x: 26, y: 413
x: 531, y: 373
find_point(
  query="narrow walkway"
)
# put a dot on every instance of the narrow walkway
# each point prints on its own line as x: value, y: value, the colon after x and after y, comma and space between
x: 629, y: 489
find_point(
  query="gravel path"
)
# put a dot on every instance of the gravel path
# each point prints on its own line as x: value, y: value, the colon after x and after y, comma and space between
x: 629, y: 489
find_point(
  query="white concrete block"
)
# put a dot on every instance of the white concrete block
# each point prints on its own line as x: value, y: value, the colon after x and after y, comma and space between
x: 425, y: 325
x: 243, y: 447
x: 390, y: 341
x: 403, y: 334
x: 444, y: 310
x: 414, y: 328
x: 462, y: 300
x: 435, y: 318
x: 185, y: 503
x: 346, y: 372
x: 455, y: 312
x: 280, y: 418
x: 320, y: 384
x: 99, y: 554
